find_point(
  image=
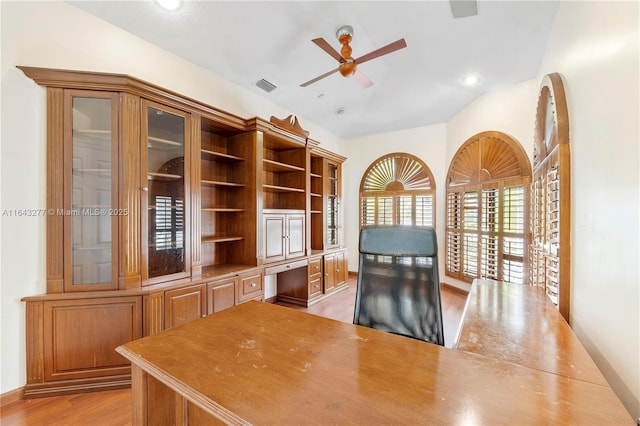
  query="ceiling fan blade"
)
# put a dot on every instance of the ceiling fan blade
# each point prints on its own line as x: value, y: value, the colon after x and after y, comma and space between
x: 324, y: 45
x: 391, y: 47
x: 363, y: 80
x: 319, y: 78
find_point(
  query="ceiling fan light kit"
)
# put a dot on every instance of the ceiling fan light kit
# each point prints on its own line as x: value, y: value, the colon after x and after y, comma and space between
x: 348, y: 65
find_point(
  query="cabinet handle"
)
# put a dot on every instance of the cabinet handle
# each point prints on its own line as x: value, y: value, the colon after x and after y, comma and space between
x: 253, y: 284
x: 145, y: 189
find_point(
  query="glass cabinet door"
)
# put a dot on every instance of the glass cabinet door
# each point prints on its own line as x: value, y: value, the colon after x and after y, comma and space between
x: 332, y: 205
x: 90, y: 196
x: 164, y: 149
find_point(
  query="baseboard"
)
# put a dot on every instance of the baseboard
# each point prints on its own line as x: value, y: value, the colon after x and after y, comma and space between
x: 454, y: 288
x: 353, y: 274
x: 272, y: 299
x: 11, y: 397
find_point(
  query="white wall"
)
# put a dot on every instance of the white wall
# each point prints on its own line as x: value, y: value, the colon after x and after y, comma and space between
x: 58, y: 35
x: 595, y: 47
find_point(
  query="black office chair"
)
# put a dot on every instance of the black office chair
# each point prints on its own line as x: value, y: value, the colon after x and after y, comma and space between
x: 398, y: 284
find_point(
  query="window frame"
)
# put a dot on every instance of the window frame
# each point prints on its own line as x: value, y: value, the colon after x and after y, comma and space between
x: 474, y: 177
x: 424, y: 190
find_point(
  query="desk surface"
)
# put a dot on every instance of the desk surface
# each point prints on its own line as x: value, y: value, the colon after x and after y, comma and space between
x: 261, y: 363
x: 516, y: 323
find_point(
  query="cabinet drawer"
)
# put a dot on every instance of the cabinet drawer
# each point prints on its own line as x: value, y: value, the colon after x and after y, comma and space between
x: 315, y: 268
x: 315, y: 286
x: 250, y: 287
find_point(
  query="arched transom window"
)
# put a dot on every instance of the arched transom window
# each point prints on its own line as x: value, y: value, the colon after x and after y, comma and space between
x: 397, y: 189
x: 487, y: 206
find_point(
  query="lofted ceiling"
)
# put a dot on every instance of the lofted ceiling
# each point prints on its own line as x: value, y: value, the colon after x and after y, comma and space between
x: 419, y: 85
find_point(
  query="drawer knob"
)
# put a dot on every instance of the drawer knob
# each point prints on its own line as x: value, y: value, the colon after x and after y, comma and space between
x: 253, y: 284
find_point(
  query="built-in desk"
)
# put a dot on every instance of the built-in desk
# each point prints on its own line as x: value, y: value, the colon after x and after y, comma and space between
x: 266, y: 364
x: 517, y: 323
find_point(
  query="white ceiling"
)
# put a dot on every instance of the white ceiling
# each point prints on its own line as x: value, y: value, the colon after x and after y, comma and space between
x: 420, y: 85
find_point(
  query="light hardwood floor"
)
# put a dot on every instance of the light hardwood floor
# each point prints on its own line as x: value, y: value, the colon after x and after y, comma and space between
x: 113, y: 408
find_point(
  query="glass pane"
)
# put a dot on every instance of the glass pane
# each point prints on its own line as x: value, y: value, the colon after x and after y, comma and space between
x: 470, y: 209
x: 368, y: 211
x: 332, y: 220
x: 424, y: 210
x: 385, y: 211
x: 514, y: 209
x: 165, y: 175
x: 490, y: 201
x: 91, y: 196
x: 405, y: 204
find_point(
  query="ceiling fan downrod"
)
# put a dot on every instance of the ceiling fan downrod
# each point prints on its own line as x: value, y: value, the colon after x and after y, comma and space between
x: 344, y: 35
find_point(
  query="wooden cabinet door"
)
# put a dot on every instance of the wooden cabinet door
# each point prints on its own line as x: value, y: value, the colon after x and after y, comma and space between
x: 166, y: 241
x: 274, y: 237
x: 80, y: 336
x: 329, y: 272
x: 221, y: 295
x: 184, y: 304
x: 295, y: 232
x: 89, y: 192
x: 341, y: 274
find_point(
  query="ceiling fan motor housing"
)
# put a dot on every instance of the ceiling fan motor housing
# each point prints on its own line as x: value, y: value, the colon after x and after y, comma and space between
x: 348, y: 67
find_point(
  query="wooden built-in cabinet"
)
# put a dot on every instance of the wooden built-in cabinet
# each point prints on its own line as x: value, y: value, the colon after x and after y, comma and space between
x: 284, y: 234
x: 165, y: 210
x: 185, y: 304
x: 221, y: 294
x: 335, y: 271
x: 71, y: 342
x: 325, y: 199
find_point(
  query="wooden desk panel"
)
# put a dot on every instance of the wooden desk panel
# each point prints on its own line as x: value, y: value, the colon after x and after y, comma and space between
x: 265, y: 364
x: 516, y: 323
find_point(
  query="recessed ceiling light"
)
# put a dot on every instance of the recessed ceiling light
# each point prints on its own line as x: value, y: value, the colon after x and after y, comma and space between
x: 170, y: 4
x: 471, y: 80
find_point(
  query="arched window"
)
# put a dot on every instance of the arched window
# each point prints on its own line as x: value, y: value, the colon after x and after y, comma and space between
x: 397, y: 189
x: 487, y: 217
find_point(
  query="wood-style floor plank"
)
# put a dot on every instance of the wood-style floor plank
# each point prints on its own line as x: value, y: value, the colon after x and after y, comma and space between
x: 113, y: 408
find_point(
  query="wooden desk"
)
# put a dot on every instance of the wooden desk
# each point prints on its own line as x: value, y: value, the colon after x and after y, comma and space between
x: 265, y: 364
x: 516, y: 323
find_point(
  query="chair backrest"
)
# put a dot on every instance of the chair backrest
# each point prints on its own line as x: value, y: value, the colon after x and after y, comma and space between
x: 398, y: 284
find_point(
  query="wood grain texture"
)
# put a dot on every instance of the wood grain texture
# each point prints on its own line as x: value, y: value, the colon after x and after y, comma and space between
x: 55, y: 181
x: 129, y: 193
x: 35, y: 343
x: 341, y: 373
x: 516, y: 323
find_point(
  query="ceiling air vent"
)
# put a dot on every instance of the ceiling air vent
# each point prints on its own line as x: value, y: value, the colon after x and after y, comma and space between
x: 265, y: 85
x: 463, y: 8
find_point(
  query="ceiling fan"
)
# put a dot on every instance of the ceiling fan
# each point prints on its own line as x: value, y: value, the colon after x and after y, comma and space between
x: 348, y: 66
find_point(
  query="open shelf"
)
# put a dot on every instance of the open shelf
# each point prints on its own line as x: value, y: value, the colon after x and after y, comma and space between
x: 219, y: 156
x: 220, y: 183
x: 276, y: 166
x: 220, y: 209
x: 220, y: 239
x: 274, y: 188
